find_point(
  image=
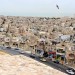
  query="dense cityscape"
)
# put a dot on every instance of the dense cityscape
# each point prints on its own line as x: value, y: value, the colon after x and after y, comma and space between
x: 54, y: 35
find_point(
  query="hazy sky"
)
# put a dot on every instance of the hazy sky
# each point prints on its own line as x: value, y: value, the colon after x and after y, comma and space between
x: 37, y: 7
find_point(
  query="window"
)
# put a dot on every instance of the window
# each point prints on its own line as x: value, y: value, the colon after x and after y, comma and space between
x: 62, y: 58
x: 60, y: 51
x: 73, y: 28
x: 39, y: 51
x: 71, y: 55
x: 73, y: 47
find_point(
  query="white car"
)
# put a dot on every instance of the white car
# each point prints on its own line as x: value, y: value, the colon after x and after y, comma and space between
x: 70, y: 71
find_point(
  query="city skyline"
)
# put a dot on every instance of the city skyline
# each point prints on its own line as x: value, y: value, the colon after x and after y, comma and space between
x: 37, y: 8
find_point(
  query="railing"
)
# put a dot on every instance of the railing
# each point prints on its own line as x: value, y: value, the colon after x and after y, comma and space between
x: 60, y: 53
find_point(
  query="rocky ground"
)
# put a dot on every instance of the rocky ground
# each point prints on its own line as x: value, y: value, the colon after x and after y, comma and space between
x: 21, y: 65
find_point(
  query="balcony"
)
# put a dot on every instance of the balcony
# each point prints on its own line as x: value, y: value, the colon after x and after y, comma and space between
x: 60, y: 52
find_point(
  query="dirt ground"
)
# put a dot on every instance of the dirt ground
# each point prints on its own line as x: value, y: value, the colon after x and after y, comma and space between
x: 22, y: 65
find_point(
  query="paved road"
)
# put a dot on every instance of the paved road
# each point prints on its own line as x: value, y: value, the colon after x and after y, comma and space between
x: 49, y: 63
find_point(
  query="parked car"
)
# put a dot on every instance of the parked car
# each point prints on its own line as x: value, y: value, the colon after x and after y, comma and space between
x: 70, y: 71
x: 43, y: 59
x: 8, y: 47
x: 21, y: 52
x: 32, y: 56
x: 16, y: 49
x: 56, y: 61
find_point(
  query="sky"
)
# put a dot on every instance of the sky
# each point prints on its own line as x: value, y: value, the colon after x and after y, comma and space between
x: 39, y: 8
